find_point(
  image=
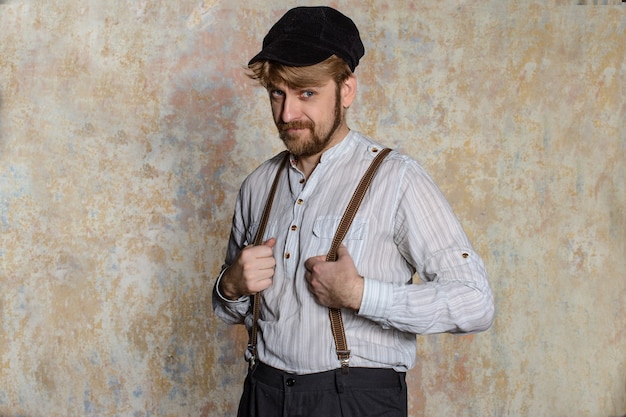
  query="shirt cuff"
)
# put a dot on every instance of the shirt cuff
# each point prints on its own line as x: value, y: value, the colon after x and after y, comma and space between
x: 377, y: 299
x: 221, y: 296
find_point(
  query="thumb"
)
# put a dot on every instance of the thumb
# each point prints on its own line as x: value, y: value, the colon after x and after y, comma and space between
x: 270, y: 242
x: 342, y: 251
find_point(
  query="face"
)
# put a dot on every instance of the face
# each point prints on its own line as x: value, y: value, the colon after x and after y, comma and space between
x: 308, y: 119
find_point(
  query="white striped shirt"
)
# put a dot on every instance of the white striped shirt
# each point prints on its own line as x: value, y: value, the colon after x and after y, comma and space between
x: 403, y: 226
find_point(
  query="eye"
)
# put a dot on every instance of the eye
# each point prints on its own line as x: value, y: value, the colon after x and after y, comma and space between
x: 308, y: 94
x: 275, y: 93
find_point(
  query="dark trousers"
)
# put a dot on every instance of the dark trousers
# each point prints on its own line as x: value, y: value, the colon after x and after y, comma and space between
x: 363, y: 392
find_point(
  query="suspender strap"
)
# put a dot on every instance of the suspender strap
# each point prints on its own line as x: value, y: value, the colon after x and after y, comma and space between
x: 353, y: 205
x: 258, y: 240
x: 336, y: 321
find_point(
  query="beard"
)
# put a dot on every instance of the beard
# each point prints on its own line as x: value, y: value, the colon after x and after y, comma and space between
x: 318, y: 140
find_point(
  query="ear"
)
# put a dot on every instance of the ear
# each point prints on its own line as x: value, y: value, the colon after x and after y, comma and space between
x: 348, y: 91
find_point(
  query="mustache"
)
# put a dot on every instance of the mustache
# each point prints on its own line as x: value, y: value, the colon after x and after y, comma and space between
x: 301, y: 124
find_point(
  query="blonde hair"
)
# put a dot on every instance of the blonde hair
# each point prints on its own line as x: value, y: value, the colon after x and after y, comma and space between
x: 268, y: 73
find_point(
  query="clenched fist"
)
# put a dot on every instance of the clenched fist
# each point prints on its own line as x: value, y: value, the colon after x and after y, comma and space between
x: 335, y: 284
x: 252, y: 271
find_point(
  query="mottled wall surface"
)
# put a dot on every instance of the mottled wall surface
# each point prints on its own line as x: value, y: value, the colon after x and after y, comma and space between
x: 126, y: 128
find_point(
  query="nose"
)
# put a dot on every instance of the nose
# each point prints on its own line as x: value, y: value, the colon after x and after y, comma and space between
x: 291, y: 109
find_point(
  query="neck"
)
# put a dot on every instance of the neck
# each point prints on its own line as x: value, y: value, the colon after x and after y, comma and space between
x: 307, y: 164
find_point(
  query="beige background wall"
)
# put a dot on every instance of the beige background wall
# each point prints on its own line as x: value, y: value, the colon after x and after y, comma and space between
x: 126, y: 128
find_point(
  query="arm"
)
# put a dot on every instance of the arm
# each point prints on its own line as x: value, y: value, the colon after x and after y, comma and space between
x: 441, y: 305
x: 455, y: 295
x: 230, y: 311
x: 251, y: 272
x: 437, y: 306
x: 247, y: 270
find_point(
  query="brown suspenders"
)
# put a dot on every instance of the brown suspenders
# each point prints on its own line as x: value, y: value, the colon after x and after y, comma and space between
x: 341, y: 345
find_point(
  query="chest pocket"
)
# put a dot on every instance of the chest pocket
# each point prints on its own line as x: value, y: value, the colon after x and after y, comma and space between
x: 324, y: 229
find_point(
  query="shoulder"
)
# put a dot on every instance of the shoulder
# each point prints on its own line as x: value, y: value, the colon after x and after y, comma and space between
x: 396, y: 162
x: 263, y: 175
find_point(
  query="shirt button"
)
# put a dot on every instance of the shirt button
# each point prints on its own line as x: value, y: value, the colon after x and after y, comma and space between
x: 290, y: 382
x: 287, y: 255
x: 302, y: 180
x: 300, y: 201
x: 294, y: 228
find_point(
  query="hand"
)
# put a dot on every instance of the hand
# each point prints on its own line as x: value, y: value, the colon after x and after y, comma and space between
x: 252, y: 271
x: 335, y: 284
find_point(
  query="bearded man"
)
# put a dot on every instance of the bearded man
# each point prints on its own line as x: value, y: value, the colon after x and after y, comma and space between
x: 403, y: 227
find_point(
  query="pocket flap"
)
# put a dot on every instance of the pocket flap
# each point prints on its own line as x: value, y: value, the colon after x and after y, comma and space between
x: 325, y: 228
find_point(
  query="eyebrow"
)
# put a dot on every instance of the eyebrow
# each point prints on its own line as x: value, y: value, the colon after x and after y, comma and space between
x: 273, y: 85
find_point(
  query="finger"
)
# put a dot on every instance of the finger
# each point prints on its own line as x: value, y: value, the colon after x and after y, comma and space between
x: 262, y: 275
x: 264, y: 251
x: 270, y: 242
x: 310, y: 285
x: 310, y: 263
x: 266, y: 263
x: 342, y: 251
x: 260, y: 285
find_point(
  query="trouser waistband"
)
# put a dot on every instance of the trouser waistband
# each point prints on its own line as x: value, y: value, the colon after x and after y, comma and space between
x: 361, y: 378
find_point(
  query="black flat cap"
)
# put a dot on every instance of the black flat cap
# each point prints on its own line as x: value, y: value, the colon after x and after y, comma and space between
x: 309, y: 35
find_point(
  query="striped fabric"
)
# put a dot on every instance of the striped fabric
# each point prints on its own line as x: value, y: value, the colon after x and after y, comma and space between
x: 404, y: 226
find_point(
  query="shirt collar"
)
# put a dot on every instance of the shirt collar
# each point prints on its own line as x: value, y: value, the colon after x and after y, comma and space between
x: 342, y: 148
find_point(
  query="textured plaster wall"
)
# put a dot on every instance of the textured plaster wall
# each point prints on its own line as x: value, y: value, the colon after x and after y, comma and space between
x: 126, y: 128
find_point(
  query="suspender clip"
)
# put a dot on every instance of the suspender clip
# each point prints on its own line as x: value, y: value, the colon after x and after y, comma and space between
x: 344, y: 360
x: 251, y: 357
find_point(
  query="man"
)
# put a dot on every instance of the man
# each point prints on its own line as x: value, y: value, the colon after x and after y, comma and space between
x: 404, y: 226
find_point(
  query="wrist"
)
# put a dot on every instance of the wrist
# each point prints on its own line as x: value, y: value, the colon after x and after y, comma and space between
x: 358, y: 294
x: 225, y: 291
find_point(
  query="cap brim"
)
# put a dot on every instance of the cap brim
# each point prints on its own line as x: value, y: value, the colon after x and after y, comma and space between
x: 293, y: 53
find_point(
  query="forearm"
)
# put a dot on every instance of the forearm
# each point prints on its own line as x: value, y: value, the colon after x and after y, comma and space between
x: 432, y: 307
x: 230, y: 311
x: 455, y: 296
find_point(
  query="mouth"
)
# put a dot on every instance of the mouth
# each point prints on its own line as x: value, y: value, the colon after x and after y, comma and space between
x: 293, y: 128
x: 293, y: 133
